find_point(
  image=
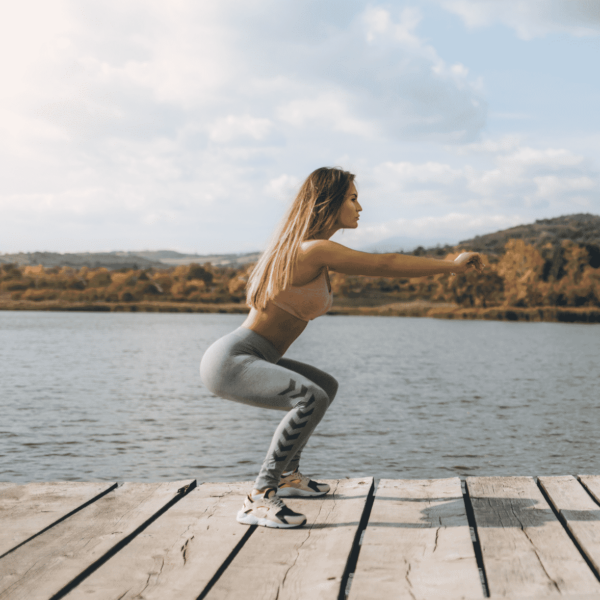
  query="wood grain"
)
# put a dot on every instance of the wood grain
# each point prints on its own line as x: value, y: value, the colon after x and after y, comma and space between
x: 178, y: 554
x: 580, y: 512
x: 526, y: 550
x: 417, y: 544
x: 592, y: 484
x: 28, y: 509
x: 52, y: 560
x: 299, y: 564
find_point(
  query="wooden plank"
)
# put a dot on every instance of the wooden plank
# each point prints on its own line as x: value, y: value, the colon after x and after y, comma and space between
x: 299, y: 564
x: 178, y: 554
x: 28, y: 509
x: 51, y: 561
x: 417, y: 544
x: 580, y: 512
x: 592, y: 484
x: 552, y: 596
x: 526, y: 550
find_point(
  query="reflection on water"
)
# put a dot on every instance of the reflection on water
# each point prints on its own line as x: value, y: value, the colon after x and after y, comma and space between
x: 116, y: 396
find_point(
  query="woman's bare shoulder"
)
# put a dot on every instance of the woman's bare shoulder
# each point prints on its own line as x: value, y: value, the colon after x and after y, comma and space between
x: 325, y: 253
x: 312, y: 253
x: 311, y: 248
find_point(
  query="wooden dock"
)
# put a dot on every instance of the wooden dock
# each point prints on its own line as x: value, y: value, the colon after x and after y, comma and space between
x: 432, y: 539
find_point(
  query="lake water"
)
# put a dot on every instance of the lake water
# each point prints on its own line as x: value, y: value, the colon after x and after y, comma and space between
x: 118, y: 396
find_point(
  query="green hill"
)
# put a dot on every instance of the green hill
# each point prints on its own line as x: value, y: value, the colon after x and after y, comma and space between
x: 583, y: 229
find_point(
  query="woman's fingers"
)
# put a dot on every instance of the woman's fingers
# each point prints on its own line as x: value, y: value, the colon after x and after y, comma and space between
x: 469, y: 259
x: 476, y: 262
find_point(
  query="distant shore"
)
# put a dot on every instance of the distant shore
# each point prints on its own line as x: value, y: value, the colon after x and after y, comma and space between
x: 397, y: 309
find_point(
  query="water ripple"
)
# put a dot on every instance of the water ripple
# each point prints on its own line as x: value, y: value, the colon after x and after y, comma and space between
x: 117, y: 396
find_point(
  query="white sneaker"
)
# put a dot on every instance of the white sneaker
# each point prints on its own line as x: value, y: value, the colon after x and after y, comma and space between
x: 269, y: 511
x: 296, y: 484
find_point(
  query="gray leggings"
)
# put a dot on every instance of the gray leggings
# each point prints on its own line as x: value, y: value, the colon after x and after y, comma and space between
x: 245, y: 367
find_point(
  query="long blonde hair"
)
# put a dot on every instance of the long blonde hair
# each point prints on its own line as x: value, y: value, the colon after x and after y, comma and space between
x: 314, y: 210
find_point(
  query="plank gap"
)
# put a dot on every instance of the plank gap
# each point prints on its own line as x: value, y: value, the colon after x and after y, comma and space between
x: 227, y: 562
x: 346, y: 582
x: 61, y: 519
x: 563, y: 522
x: 475, y: 539
x: 120, y: 545
x: 587, y: 489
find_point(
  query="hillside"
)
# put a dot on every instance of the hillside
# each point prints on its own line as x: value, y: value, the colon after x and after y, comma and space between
x: 92, y: 260
x: 582, y: 229
x: 145, y: 259
x: 551, y: 282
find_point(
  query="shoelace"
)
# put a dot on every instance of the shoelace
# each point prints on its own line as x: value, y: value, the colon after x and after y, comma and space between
x: 304, y: 478
x: 297, y: 475
x: 274, y: 500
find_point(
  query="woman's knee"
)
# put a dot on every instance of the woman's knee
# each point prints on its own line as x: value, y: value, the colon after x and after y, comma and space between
x: 316, y: 399
x: 332, y: 388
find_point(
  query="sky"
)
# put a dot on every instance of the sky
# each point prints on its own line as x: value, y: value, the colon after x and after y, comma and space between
x: 186, y: 125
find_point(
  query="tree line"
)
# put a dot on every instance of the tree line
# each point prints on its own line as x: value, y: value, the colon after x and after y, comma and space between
x: 566, y: 274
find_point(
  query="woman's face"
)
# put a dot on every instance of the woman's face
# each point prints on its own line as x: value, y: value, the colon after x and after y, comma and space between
x: 348, y: 215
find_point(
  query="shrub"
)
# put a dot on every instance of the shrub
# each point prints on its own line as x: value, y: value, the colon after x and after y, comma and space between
x: 76, y: 283
x: 13, y: 285
x: 143, y: 288
x: 38, y: 295
x: 163, y: 281
x: 237, y: 286
x: 100, y: 279
x: 197, y: 272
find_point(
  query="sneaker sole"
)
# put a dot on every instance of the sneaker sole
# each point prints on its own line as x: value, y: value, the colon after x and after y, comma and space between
x: 290, y: 492
x: 247, y: 519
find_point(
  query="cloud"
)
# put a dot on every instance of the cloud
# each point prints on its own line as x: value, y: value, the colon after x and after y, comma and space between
x: 239, y: 127
x: 330, y: 111
x: 283, y: 187
x: 519, y: 177
x: 406, y: 234
x: 146, y: 68
x: 148, y: 112
x: 530, y: 18
x: 187, y: 124
x: 518, y: 183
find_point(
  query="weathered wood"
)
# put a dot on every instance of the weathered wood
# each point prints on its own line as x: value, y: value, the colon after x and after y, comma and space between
x: 580, y: 512
x: 592, y: 484
x: 417, y: 544
x: 552, y: 596
x: 178, y: 554
x: 526, y: 550
x: 53, y: 560
x: 28, y: 509
x: 300, y: 564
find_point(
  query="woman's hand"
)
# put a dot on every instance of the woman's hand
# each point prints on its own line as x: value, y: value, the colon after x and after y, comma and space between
x: 468, y: 260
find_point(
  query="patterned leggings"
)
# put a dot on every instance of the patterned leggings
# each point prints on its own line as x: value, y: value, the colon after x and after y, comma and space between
x: 245, y: 367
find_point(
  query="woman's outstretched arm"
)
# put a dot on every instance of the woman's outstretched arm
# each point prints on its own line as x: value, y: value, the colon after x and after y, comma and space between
x: 341, y: 259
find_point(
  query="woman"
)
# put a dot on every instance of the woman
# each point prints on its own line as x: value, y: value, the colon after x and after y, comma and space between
x: 288, y: 287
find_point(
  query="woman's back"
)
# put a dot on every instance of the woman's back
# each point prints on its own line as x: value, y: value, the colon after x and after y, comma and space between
x: 280, y: 326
